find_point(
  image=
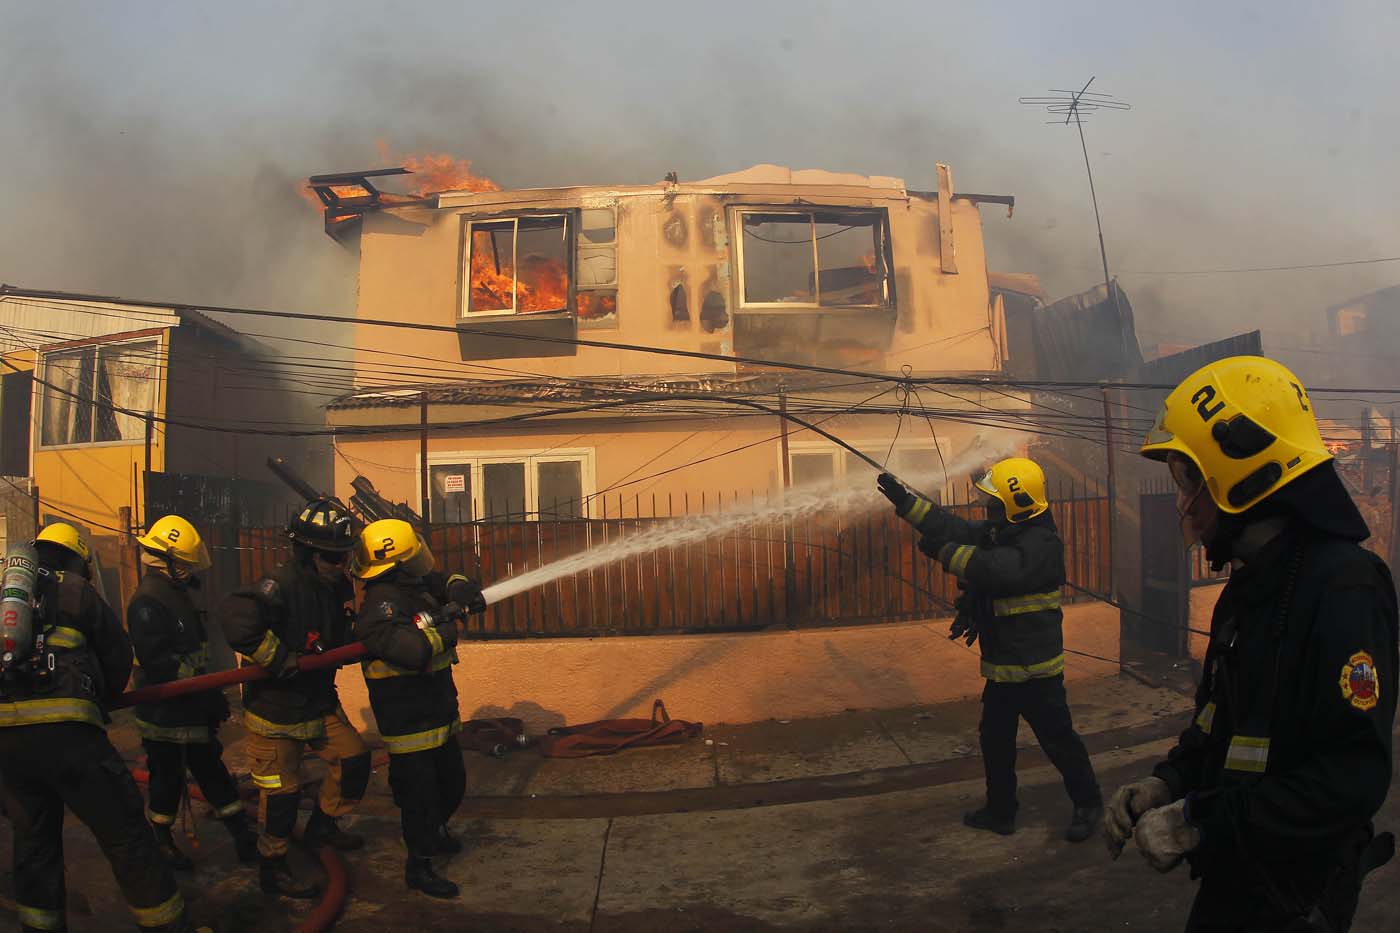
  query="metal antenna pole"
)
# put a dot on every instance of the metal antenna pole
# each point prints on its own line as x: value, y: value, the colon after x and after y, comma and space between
x: 1076, y: 105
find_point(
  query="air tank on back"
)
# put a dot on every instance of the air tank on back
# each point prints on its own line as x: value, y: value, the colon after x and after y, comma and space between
x: 17, y: 604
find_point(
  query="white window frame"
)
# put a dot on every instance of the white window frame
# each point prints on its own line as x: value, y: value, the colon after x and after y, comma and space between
x: 742, y: 302
x: 531, y: 458
x: 514, y: 220
x: 42, y: 390
x: 877, y: 449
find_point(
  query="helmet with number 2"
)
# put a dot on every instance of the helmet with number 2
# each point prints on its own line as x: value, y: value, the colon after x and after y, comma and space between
x: 387, y: 544
x: 1019, y: 484
x: 1246, y: 424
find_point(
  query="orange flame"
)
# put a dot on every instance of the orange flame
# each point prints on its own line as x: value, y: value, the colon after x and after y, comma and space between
x: 438, y: 172
x: 593, y: 305
x: 543, y: 284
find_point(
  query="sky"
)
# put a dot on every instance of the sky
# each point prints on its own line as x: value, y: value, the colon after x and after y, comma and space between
x: 154, y: 149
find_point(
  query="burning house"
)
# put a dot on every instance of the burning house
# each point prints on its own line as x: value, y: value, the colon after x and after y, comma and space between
x: 520, y: 312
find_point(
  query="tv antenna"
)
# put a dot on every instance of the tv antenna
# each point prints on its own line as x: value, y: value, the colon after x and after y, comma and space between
x: 1076, y: 106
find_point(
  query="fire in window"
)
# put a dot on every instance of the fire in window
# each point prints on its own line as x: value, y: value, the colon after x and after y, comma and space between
x: 518, y: 265
x: 596, y: 294
x: 815, y: 259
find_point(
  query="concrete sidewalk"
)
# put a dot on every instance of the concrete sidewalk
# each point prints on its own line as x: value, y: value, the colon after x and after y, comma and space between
x: 848, y: 822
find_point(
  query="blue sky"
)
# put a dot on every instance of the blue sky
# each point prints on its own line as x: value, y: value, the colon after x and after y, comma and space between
x: 153, y: 148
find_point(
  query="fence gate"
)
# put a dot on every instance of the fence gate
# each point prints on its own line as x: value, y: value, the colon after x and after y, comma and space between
x: 1166, y: 581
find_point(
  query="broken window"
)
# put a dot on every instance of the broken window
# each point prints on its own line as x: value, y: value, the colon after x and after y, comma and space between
x: 597, y: 267
x: 99, y: 394
x: 518, y: 264
x: 814, y: 259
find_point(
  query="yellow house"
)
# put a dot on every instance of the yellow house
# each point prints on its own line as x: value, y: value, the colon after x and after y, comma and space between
x: 564, y: 351
x: 105, y: 399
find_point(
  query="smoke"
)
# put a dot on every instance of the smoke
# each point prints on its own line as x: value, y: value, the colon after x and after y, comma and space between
x: 164, y: 164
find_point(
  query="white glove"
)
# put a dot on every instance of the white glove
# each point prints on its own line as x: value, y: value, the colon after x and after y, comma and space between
x: 1164, y: 837
x: 1127, y: 805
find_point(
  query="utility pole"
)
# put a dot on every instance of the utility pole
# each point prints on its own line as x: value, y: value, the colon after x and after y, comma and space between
x: 1076, y: 105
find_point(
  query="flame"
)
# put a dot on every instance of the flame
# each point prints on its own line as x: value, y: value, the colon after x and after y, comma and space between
x: 593, y: 305
x: 543, y: 284
x: 437, y: 172
x: 1336, y: 447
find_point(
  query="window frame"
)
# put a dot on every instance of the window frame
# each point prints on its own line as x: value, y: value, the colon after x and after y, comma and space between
x: 464, y: 257
x: 40, y: 415
x: 841, y: 457
x: 477, y: 460
x: 882, y: 216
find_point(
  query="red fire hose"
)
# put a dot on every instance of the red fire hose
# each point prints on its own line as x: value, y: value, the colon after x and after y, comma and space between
x: 313, y: 662
x: 332, y: 902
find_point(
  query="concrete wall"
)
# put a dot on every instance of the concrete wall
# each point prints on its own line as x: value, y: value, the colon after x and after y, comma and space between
x: 733, y: 678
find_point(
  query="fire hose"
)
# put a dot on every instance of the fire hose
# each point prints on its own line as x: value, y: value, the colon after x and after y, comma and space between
x: 337, y: 881
x: 336, y: 657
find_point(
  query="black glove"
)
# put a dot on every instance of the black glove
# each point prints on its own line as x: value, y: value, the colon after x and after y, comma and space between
x: 289, y: 666
x: 447, y: 628
x: 465, y: 592
x: 895, y: 491
x: 964, y: 627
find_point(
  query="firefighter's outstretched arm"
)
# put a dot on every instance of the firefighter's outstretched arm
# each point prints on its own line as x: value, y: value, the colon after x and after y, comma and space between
x: 1031, y: 560
x: 930, y: 519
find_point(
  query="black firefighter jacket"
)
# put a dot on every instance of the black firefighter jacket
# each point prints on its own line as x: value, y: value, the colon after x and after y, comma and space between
x: 288, y: 613
x: 167, y: 632
x: 1289, y: 755
x: 409, y: 670
x: 83, y: 665
x: 1014, y: 574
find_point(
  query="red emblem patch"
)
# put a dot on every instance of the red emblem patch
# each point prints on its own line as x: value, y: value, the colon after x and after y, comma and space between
x: 1359, y: 683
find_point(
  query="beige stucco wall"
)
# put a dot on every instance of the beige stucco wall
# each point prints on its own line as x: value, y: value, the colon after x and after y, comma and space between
x: 733, y: 678
x: 411, y: 258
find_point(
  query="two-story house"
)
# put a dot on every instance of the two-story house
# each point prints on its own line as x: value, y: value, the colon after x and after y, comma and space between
x: 561, y: 351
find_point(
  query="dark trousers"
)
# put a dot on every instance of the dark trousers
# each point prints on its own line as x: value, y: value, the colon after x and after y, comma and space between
x: 66, y: 763
x: 1043, y: 705
x: 428, y: 787
x: 169, y: 761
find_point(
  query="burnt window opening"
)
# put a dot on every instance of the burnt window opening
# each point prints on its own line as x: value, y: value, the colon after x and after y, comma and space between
x: 680, y: 304
x: 518, y: 265
x: 713, y: 313
x: 814, y: 259
x: 596, y: 281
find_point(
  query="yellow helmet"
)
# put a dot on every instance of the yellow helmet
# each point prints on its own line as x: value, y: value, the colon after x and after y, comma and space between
x: 1019, y: 484
x: 1248, y: 426
x: 67, y: 537
x: 390, y: 543
x: 173, y: 537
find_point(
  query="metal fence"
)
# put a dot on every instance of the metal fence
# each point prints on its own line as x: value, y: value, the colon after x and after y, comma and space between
x: 832, y: 568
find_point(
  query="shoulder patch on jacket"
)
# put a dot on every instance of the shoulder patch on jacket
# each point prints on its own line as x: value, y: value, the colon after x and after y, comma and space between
x: 1359, y: 683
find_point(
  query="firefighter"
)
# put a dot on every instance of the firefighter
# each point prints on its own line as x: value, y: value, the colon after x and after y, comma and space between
x: 1270, y: 792
x: 408, y: 623
x: 56, y: 751
x: 1010, y: 568
x: 301, y: 608
x: 180, y: 735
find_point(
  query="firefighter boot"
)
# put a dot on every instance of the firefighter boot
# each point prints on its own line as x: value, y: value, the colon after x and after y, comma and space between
x: 992, y: 822
x: 275, y: 877
x: 447, y: 844
x: 245, y: 838
x: 170, y: 854
x: 321, y: 830
x: 421, y: 876
x: 1083, y: 823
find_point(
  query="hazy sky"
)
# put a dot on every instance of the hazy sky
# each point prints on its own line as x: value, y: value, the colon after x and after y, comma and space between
x: 153, y: 149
